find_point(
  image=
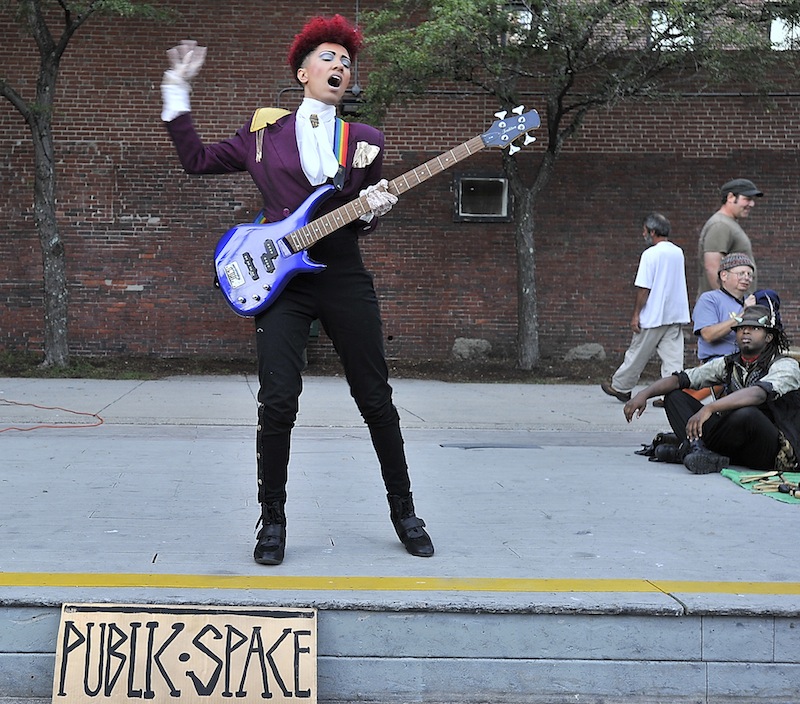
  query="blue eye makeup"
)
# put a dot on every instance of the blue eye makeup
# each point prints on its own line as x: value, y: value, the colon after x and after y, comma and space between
x: 331, y: 56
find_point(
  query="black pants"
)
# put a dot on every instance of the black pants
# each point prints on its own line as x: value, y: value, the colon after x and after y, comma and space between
x: 343, y: 298
x: 746, y: 435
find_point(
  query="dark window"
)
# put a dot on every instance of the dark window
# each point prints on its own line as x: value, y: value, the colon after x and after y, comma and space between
x: 482, y: 198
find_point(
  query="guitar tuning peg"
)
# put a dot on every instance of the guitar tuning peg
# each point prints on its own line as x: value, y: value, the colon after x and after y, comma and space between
x: 502, y: 114
x: 513, y: 149
x: 518, y: 110
x: 529, y: 139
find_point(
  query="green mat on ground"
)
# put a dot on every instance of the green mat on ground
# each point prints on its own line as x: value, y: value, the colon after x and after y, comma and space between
x: 791, y: 478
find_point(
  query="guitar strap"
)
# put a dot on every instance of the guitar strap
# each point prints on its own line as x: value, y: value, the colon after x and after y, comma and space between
x: 341, y: 133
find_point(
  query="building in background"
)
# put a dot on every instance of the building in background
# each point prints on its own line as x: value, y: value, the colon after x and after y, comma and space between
x: 140, y: 234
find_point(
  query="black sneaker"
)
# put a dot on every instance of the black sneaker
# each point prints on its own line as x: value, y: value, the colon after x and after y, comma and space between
x: 705, y: 462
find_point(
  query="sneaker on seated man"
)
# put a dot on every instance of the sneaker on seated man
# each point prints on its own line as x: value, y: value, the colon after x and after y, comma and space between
x: 755, y: 423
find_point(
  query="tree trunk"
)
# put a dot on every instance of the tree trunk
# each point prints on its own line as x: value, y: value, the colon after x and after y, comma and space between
x: 527, y: 305
x: 528, y: 351
x: 54, y: 269
x: 56, y: 346
x: 38, y: 116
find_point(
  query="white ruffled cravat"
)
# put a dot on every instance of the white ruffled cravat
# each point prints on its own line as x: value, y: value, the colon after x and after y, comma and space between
x: 315, y: 143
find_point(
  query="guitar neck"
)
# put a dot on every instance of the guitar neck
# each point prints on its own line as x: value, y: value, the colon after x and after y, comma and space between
x: 304, y: 237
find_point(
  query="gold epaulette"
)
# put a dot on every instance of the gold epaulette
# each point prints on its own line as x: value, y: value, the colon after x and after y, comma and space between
x: 266, y: 116
x: 261, y: 118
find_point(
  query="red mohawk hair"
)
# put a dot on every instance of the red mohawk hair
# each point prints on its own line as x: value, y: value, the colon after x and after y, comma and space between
x: 318, y: 30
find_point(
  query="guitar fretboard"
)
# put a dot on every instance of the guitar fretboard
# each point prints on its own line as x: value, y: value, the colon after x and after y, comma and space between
x: 304, y: 237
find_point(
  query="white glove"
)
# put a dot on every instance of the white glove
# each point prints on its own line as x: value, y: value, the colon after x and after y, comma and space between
x: 380, y: 201
x: 186, y: 59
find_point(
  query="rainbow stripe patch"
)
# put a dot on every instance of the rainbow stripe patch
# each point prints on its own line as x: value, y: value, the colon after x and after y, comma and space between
x: 340, y: 136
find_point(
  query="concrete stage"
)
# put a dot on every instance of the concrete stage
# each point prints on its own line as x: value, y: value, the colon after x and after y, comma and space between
x: 567, y: 568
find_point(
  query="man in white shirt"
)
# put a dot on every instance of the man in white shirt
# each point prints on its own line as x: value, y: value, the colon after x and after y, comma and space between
x: 660, y: 310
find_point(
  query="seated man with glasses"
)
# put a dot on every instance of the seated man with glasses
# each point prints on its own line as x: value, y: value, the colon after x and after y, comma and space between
x: 713, y: 314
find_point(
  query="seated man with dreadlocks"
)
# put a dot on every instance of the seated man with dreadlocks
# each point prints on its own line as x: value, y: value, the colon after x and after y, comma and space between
x: 756, y: 421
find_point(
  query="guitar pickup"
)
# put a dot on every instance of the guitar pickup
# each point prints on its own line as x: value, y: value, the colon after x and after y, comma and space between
x: 270, y: 254
x: 251, y: 266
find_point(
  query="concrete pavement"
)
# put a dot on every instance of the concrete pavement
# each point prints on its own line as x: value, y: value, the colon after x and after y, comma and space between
x: 532, y: 494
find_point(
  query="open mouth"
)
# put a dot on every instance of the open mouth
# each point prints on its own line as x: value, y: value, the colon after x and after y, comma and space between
x: 335, y: 80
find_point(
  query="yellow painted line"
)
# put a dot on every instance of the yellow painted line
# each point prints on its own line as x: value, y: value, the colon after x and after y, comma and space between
x: 750, y: 588
x: 397, y: 584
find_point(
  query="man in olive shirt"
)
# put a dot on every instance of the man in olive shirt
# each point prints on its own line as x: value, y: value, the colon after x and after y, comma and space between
x: 722, y: 234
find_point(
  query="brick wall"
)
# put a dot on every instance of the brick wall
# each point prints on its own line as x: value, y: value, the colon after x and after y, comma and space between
x: 140, y: 234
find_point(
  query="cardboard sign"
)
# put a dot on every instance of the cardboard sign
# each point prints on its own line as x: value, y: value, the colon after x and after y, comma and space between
x: 185, y: 654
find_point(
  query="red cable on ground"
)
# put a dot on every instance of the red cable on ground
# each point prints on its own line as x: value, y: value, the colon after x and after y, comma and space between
x: 99, y: 420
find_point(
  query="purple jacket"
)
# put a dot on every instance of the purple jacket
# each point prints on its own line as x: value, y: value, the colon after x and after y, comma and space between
x: 278, y: 174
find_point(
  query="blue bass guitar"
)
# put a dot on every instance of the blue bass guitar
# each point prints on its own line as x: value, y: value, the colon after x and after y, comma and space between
x: 255, y: 262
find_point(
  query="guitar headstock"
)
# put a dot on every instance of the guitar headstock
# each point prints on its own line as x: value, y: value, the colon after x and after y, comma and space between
x: 506, y: 129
